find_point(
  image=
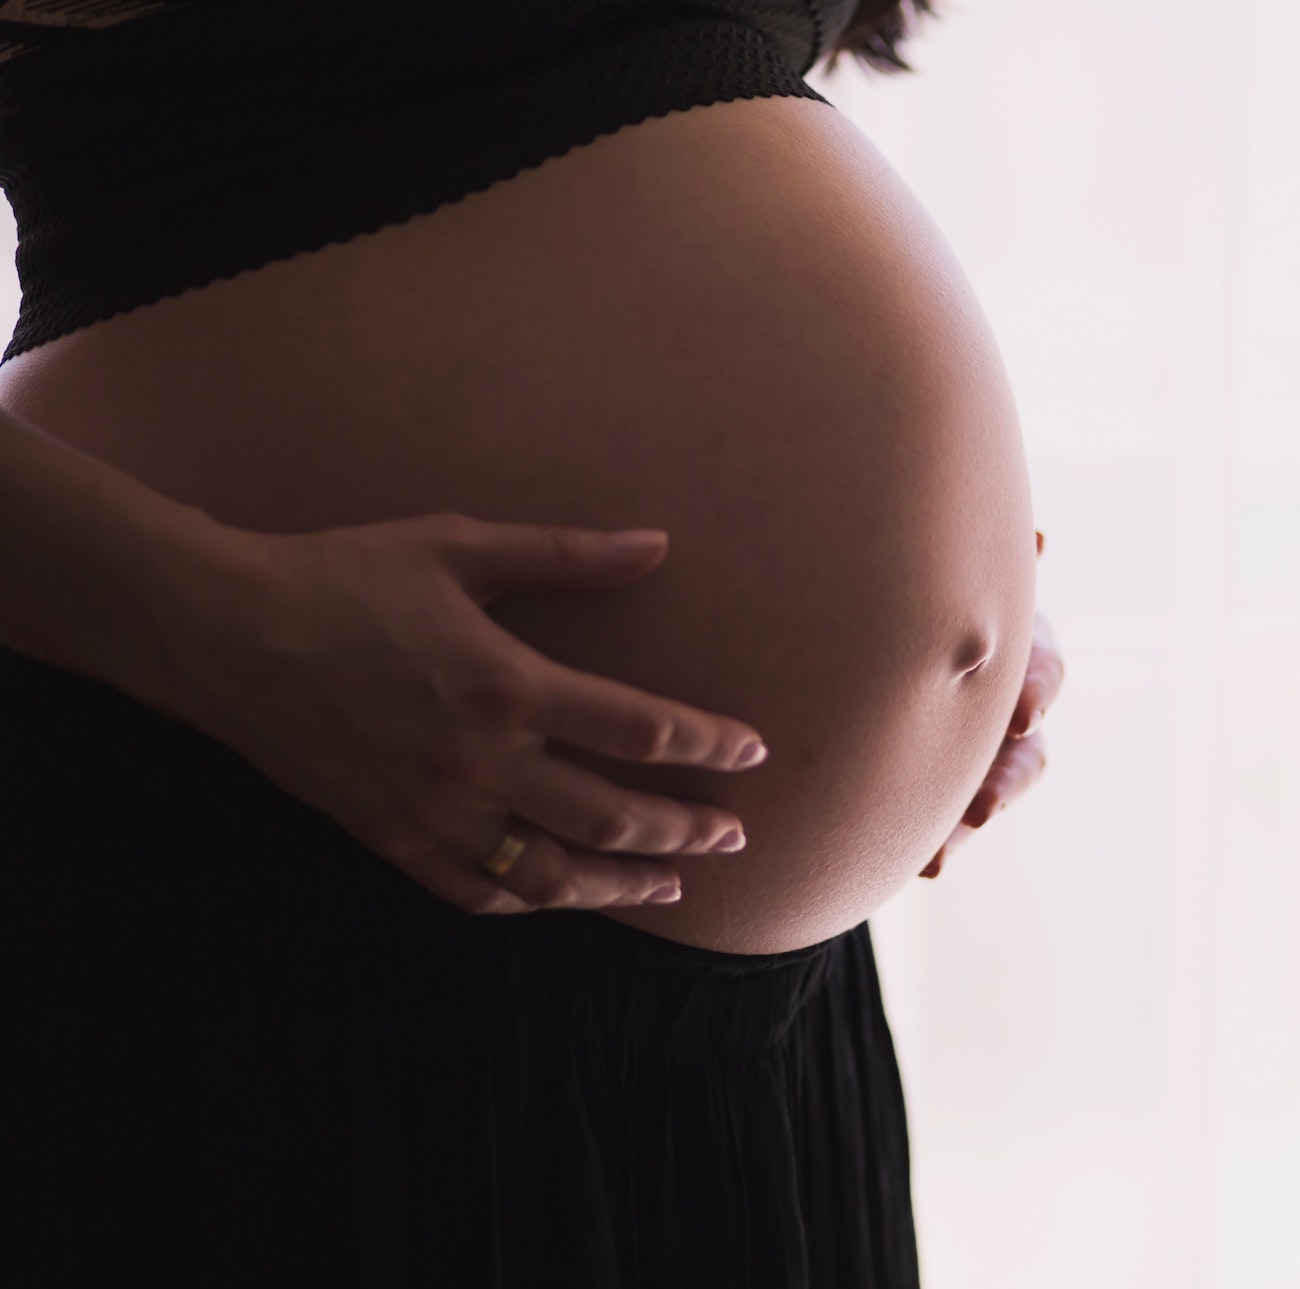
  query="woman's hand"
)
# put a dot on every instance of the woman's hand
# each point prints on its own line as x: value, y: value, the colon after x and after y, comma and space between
x: 358, y: 671
x: 1021, y: 759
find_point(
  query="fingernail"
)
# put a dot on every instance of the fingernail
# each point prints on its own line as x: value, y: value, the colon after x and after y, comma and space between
x: 664, y: 895
x: 637, y: 541
x: 752, y: 753
x: 731, y: 840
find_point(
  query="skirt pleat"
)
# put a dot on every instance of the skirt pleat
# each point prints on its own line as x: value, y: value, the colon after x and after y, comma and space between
x: 243, y: 1049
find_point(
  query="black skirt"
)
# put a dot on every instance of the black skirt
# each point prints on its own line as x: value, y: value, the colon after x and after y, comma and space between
x: 242, y: 1049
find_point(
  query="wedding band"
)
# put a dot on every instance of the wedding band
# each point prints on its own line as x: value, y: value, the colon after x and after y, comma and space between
x: 500, y: 861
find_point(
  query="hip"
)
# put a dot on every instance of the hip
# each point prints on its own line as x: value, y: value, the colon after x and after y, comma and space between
x: 246, y: 1044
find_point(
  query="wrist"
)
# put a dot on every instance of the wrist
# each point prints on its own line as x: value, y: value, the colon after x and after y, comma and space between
x: 103, y: 576
x: 201, y: 584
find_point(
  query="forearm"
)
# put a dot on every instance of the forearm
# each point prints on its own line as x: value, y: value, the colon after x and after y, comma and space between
x: 100, y: 574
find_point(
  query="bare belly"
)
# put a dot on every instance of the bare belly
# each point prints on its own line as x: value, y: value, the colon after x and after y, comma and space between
x: 734, y: 323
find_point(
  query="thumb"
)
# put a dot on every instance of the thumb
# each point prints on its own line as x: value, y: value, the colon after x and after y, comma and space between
x: 494, y: 559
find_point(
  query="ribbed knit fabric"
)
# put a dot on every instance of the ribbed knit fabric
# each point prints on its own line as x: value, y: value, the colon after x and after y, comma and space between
x: 152, y: 146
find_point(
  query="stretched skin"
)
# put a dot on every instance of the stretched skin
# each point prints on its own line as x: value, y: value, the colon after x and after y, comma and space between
x: 735, y: 323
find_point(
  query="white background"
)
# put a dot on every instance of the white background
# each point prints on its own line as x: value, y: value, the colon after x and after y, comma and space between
x: 1097, y: 1005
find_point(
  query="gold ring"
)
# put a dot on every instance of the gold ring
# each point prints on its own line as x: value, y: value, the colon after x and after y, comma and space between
x: 501, y: 860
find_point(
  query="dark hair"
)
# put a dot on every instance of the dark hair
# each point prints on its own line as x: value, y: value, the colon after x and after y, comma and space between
x: 875, y: 31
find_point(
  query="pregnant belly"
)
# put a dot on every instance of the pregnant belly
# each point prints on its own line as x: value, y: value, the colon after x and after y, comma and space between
x: 735, y: 323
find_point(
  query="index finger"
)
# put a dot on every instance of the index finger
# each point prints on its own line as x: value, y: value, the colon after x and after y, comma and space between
x: 619, y: 720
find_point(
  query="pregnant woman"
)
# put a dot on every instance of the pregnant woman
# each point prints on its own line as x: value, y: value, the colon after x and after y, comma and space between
x: 349, y: 335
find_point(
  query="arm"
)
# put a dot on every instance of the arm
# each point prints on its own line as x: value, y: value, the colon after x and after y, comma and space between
x: 356, y: 669
x: 98, y: 572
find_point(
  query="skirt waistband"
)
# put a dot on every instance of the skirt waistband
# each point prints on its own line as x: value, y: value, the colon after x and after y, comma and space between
x: 165, y: 837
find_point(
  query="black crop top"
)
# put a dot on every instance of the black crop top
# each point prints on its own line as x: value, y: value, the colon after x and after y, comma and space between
x: 152, y: 146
